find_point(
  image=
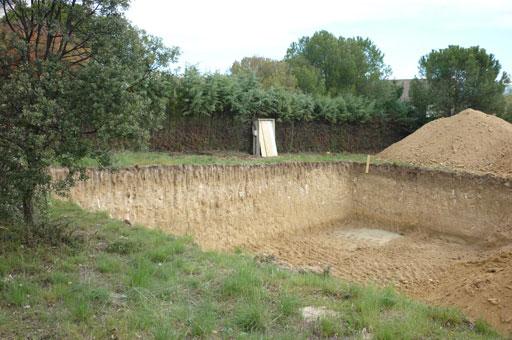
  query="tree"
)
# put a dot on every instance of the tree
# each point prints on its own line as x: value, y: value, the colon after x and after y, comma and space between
x: 74, y: 78
x: 507, y: 113
x: 309, y: 78
x: 457, y: 78
x: 343, y: 65
x: 269, y: 72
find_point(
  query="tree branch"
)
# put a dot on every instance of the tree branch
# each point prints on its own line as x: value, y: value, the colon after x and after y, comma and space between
x: 69, y: 29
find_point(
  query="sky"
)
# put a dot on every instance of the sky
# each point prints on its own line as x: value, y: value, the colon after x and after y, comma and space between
x: 213, y: 34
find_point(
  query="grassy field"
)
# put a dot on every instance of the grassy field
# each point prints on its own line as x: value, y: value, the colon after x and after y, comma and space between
x: 95, y: 277
x: 130, y: 158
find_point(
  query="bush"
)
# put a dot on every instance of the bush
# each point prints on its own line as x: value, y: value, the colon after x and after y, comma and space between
x: 243, y: 97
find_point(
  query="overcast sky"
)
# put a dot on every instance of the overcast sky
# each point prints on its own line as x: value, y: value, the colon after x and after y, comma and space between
x: 213, y: 34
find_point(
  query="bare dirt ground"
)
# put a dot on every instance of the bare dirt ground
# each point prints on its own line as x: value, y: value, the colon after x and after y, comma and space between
x: 437, y: 269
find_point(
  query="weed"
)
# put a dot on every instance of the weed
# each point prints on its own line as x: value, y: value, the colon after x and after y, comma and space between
x: 447, y: 317
x: 388, y: 298
x: 250, y: 317
x: 52, y: 233
x: 204, y: 320
x: 4, y: 318
x: 328, y: 328
x: 83, y: 301
x: 108, y: 264
x: 123, y: 247
x: 141, y: 272
x: 243, y: 282
x: 483, y: 328
x: 288, y: 304
x: 58, y: 277
x: 18, y: 292
x: 167, y: 252
x: 163, y: 331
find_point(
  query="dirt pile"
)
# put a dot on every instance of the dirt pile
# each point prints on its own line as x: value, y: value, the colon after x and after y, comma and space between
x: 470, y: 140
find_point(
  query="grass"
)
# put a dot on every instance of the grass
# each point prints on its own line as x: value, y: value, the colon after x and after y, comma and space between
x: 148, y: 158
x: 140, y: 158
x: 120, y: 281
x: 131, y: 158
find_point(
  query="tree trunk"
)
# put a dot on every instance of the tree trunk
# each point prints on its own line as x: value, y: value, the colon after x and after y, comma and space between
x: 28, y: 208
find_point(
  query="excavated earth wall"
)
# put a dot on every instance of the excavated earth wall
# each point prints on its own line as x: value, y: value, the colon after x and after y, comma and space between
x: 222, y: 206
x: 227, y: 206
x: 472, y: 207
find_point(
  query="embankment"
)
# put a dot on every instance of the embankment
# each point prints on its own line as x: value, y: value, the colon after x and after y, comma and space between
x: 222, y: 206
x: 227, y: 206
x: 472, y: 207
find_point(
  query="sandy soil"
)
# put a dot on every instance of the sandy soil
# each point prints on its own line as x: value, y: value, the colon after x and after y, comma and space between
x: 435, y: 268
x: 481, y: 288
x: 471, y: 140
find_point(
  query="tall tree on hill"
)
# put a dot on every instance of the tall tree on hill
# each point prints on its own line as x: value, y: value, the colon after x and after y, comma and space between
x: 74, y: 77
x: 456, y: 78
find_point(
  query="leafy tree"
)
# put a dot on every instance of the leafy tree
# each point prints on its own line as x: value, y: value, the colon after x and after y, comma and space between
x: 74, y: 77
x: 343, y: 65
x: 309, y: 78
x: 457, y: 78
x: 269, y: 72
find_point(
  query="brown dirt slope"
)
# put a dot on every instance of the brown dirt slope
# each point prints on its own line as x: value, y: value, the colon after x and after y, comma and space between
x: 470, y: 140
x: 481, y: 289
x: 440, y: 270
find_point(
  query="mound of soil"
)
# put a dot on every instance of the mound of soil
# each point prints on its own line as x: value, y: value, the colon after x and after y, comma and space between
x: 470, y: 140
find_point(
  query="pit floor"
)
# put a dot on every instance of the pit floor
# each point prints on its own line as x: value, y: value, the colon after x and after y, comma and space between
x: 435, y: 268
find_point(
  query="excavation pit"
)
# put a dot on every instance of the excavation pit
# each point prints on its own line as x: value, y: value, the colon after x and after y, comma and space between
x: 407, y: 260
x: 443, y: 237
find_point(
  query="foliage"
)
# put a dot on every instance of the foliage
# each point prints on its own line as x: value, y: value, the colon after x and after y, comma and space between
x: 74, y: 77
x: 507, y: 113
x: 348, y: 67
x: 457, y: 78
x: 269, y: 72
x: 340, y: 65
x: 244, y: 97
x: 309, y: 78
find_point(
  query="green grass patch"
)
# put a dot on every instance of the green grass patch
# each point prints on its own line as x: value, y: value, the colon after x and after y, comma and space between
x: 251, y: 317
x: 288, y: 304
x: 129, y: 282
x: 131, y: 158
x: 106, y: 263
x: 483, y: 328
x: 328, y: 328
x: 19, y: 292
x: 244, y: 282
